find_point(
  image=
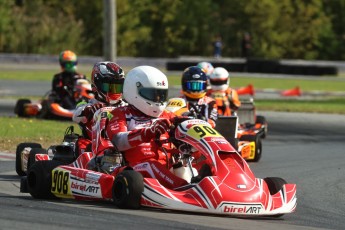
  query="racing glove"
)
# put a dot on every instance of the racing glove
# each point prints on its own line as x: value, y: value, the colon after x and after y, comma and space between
x: 138, y: 136
x: 156, y: 129
x: 90, y: 110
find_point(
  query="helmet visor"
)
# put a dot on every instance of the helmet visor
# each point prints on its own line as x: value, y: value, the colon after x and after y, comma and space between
x: 155, y: 95
x: 112, y: 87
x: 219, y: 82
x: 195, y: 86
x: 69, y: 64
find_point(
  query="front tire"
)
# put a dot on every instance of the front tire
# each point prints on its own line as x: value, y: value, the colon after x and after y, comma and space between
x: 39, y: 179
x: 275, y: 184
x: 262, y: 120
x: 127, y: 189
x: 19, y: 150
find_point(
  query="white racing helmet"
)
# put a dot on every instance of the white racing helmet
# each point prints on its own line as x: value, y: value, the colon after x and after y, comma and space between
x: 206, y: 67
x: 219, y: 79
x: 146, y: 88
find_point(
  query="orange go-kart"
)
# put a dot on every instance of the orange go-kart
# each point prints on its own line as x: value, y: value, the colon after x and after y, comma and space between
x: 50, y: 107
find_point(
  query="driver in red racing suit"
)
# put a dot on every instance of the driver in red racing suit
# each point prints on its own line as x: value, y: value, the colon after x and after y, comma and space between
x: 107, y: 84
x: 133, y: 128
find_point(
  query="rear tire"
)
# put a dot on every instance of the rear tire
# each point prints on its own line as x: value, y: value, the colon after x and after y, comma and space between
x: 32, y: 155
x: 39, y: 179
x: 19, y: 108
x: 127, y: 189
x: 262, y: 120
x: 258, y: 145
x: 45, y: 111
x: 19, y: 150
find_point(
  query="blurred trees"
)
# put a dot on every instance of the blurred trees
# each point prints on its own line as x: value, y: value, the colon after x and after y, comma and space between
x: 289, y: 29
x: 37, y: 27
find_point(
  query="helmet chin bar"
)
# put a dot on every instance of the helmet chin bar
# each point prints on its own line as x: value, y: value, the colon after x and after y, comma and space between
x: 100, y: 97
x: 194, y: 96
x: 113, y: 102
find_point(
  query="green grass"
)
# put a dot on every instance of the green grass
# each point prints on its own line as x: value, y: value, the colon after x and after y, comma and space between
x: 316, y: 84
x: 332, y: 105
x: 31, y: 75
x: 39, y: 75
x: 312, y: 84
x: 17, y: 130
x: 286, y: 83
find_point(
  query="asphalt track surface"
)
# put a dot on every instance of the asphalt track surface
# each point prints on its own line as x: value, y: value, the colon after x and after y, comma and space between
x: 306, y: 149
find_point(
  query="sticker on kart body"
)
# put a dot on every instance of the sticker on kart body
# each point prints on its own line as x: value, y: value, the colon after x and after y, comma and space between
x: 176, y: 102
x: 234, y: 208
x: 103, y: 113
x: 82, y: 188
x: 92, y: 177
x: 61, y: 183
x: 202, y: 131
x: 252, y: 150
x: 66, y: 186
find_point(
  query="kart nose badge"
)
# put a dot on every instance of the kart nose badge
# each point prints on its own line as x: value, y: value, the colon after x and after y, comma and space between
x: 241, y: 186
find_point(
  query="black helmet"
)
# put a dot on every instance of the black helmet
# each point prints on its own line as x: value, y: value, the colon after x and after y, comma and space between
x: 107, y: 82
x: 194, y: 82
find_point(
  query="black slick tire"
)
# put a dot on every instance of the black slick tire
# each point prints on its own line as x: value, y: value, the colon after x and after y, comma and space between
x: 39, y: 179
x: 127, y: 189
x: 275, y: 184
x: 19, y: 108
x: 262, y: 120
x: 19, y: 150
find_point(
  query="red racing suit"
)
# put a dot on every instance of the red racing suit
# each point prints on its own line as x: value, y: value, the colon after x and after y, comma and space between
x: 125, y: 130
x: 85, y: 118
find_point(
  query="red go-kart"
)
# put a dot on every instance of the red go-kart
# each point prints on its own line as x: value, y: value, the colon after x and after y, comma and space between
x: 222, y: 184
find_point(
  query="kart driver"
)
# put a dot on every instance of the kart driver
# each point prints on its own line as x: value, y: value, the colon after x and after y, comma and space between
x: 227, y: 99
x: 133, y: 128
x: 194, y: 83
x: 107, y: 84
x: 63, y: 83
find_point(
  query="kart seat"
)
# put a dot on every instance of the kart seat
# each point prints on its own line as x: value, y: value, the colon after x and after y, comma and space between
x: 246, y: 113
x: 64, y: 154
x: 227, y: 126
